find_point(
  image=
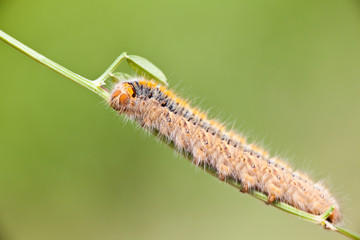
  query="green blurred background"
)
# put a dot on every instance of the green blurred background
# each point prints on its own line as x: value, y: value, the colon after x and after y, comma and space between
x: 286, y: 73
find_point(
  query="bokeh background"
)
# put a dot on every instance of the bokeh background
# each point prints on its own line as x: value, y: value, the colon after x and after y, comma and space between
x: 285, y: 73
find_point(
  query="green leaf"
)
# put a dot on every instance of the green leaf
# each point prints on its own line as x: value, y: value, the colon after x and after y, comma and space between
x: 144, y: 67
x: 119, y: 76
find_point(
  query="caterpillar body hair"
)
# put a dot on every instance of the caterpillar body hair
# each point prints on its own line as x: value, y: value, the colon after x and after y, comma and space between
x: 208, y: 143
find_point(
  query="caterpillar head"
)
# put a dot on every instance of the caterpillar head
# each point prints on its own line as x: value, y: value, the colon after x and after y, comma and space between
x: 122, y: 96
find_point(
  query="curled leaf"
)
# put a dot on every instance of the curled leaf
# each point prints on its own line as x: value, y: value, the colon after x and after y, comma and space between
x: 119, y: 76
x: 144, y: 67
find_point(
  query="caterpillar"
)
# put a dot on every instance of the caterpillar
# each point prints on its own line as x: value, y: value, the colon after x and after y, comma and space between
x: 208, y: 143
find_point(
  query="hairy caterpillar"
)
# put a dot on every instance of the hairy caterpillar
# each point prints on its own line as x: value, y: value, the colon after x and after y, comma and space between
x: 208, y: 143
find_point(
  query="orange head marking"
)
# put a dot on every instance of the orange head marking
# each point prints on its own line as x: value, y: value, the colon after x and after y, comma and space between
x: 122, y: 95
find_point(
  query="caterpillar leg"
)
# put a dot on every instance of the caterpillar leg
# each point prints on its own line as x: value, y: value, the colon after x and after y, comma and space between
x: 222, y: 177
x: 271, y: 199
x: 244, y: 189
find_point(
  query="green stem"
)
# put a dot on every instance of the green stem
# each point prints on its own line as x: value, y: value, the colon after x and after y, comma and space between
x: 95, y: 86
x: 113, y: 66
